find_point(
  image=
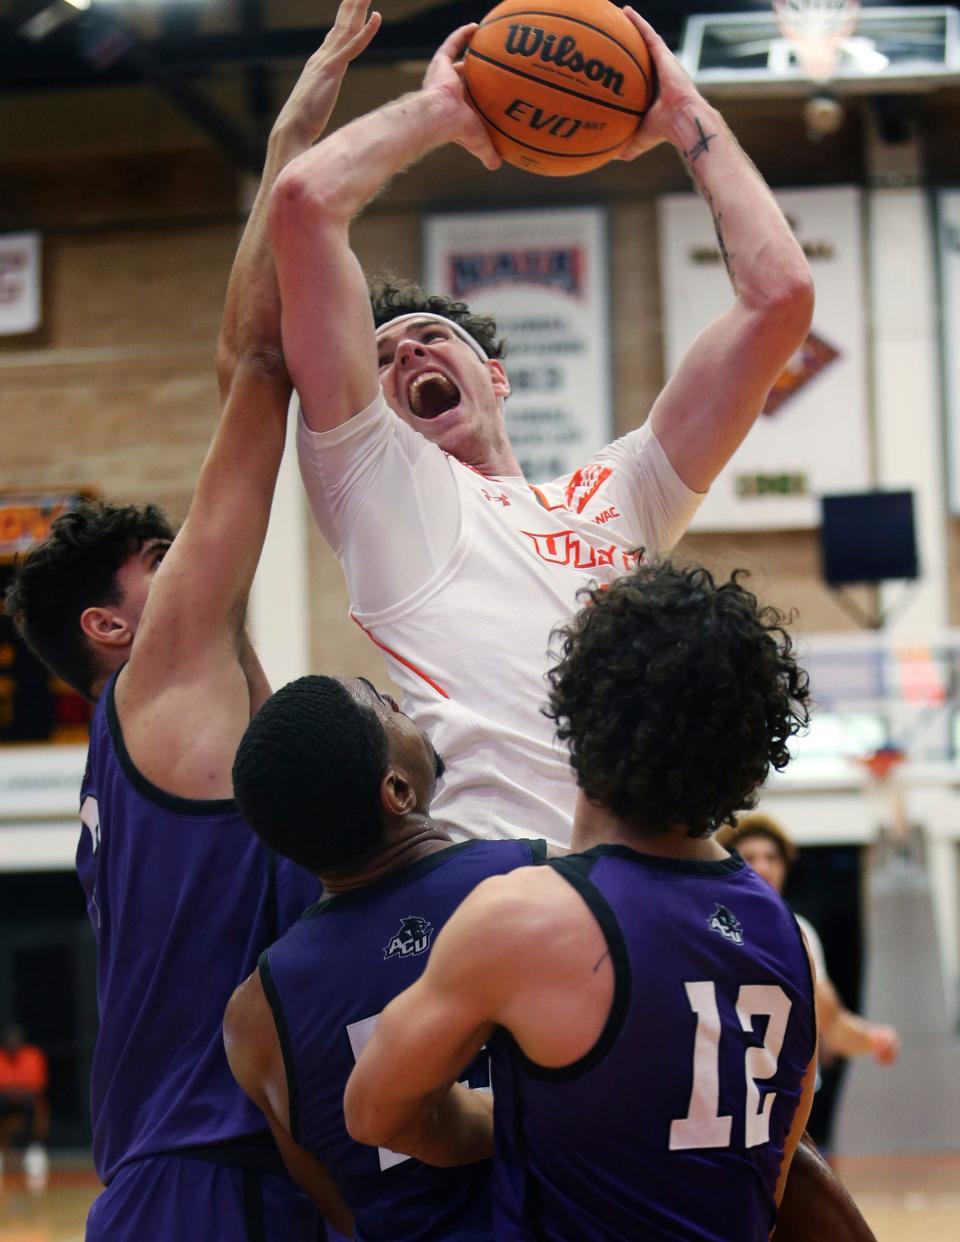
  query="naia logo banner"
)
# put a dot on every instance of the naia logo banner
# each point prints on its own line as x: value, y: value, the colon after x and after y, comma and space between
x: 812, y: 436
x: 19, y: 283
x: 542, y: 275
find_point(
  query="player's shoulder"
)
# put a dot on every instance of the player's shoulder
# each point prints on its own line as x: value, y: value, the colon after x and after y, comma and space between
x: 517, y: 913
x: 250, y: 1027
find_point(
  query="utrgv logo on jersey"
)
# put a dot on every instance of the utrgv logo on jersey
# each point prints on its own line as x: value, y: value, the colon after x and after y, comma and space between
x: 564, y: 547
x: 726, y: 923
x: 412, y: 939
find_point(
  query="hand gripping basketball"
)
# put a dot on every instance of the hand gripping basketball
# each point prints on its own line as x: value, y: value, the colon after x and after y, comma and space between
x: 673, y: 92
x: 561, y: 84
x: 444, y: 75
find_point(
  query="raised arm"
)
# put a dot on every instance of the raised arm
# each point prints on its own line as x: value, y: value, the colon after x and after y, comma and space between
x: 720, y: 386
x: 328, y: 337
x: 189, y: 665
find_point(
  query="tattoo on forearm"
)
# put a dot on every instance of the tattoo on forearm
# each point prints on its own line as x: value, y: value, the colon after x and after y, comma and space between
x: 702, y: 145
x: 725, y: 254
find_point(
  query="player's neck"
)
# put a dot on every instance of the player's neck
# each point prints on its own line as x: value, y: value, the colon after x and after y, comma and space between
x: 412, y: 843
x: 497, y: 462
x: 593, y: 825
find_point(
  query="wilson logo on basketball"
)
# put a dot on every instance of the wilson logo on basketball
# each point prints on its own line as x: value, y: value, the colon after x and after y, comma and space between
x: 532, y: 41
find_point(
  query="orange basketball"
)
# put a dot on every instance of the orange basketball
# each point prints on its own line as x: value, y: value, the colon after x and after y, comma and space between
x: 561, y: 86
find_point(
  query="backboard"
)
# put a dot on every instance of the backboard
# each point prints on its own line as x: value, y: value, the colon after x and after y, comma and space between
x: 893, y: 49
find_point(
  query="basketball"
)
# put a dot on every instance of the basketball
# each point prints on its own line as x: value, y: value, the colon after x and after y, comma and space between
x: 561, y: 87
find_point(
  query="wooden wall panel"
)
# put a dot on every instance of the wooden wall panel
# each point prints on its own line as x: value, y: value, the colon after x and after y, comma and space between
x: 117, y: 389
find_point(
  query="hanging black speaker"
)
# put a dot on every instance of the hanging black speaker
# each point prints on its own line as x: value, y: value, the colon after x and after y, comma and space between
x: 867, y: 537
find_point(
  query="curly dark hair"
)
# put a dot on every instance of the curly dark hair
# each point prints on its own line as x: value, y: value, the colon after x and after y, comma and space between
x: 677, y: 695
x: 72, y: 569
x: 391, y: 296
x: 307, y: 774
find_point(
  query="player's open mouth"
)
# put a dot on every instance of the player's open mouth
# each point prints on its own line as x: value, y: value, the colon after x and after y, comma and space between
x: 432, y: 394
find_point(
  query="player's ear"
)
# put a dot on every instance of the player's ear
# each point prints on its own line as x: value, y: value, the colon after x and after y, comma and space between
x: 105, y: 627
x: 397, y: 795
x: 501, y: 381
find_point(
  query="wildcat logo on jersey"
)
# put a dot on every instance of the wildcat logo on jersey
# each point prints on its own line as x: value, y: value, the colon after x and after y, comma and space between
x: 412, y: 939
x: 726, y: 924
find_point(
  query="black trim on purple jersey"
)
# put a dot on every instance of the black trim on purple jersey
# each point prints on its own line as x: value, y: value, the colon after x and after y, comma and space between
x: 257, y: 1152
x: 538, y: 850
x: 283, y: 1035
x: 252, y: 1190
x: 531, y: 1206
x: 397, y: 879
x: 159, y: 797
x: 576, y: 871
x: 687, y: 866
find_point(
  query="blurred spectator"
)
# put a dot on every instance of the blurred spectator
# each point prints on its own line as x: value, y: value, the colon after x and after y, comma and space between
x: 24, y: 1109
x: 765, y: 847
x: 769, y: 851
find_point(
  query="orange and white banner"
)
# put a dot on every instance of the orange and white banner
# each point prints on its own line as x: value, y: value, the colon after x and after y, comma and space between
x: 26, y: 517
x: 813, y: 436
x: 19, y: 283
x: 543, y: 276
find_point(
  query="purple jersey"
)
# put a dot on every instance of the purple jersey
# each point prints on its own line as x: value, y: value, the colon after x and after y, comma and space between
x: 327, y: 981
x: 673, y: 1125
x: 183, y: 898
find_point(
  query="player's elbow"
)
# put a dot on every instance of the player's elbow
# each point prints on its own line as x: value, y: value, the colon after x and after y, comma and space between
x: 787, y: 302
x: 301, y: 198
x: 365, y: 1124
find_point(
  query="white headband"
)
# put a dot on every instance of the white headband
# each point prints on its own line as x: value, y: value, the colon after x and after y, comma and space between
x: 462, y: 333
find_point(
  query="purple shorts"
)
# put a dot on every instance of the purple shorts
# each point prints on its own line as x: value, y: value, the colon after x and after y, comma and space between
x: 163, y: 1198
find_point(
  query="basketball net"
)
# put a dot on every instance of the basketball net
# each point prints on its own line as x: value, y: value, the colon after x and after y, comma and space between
x: 818, y: 30
x: 881, y: 766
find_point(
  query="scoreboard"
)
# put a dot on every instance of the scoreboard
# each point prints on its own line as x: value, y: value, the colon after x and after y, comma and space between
x: 34, y: 706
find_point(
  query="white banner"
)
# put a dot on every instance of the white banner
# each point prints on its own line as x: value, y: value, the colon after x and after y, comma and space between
x: 948, y: 235
x: 543, y: 276
x: 813, y: 436
x: 19, y: 283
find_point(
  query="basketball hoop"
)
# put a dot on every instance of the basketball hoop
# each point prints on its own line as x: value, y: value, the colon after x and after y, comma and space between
x: 818, y: 30
x: 881, y: 763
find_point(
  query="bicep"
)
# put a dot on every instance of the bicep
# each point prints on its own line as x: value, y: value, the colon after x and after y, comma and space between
x: 429, y: 1014
x: 718, y: 390
x: 448, y: 1010
x: 326, y: 320
x: 648, y: 492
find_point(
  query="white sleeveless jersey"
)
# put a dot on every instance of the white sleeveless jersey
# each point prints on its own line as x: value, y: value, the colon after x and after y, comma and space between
x: 461, y: 579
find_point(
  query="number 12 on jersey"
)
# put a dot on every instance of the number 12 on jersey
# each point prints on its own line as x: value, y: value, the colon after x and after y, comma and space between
x: 703, y: 1126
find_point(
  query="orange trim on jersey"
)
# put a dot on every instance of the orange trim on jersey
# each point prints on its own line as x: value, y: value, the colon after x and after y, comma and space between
x: 399, y: 659
x: 543, y: 500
